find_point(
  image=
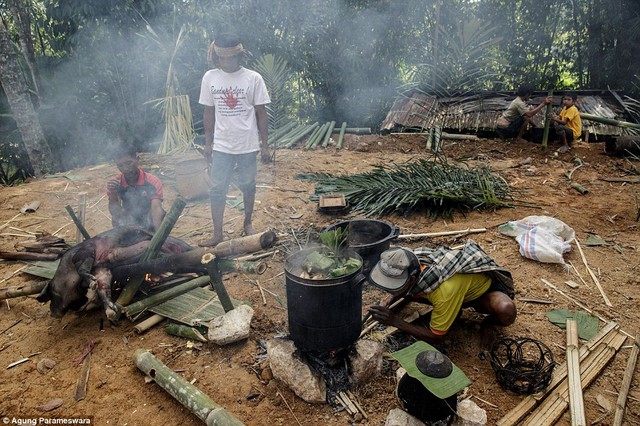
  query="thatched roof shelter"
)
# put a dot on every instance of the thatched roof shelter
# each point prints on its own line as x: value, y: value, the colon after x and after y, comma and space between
x: 477, y: 113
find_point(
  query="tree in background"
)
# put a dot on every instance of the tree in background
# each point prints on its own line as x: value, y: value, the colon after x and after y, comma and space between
x: 24, y: 111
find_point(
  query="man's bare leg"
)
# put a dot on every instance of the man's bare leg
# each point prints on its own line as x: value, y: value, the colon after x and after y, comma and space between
x: 249, y: 199
x: 563, y: 138
x: 500, y: 310
x: 523, y: 128
x: 217, y: 216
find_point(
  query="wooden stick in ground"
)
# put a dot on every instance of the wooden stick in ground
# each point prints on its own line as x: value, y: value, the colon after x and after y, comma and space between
x: 82, y: 206
x: 593, y: 277
x: 75, y: 219
x: 264, y: 299
x: 626, y: 385
x: 576, y: 400
x: 289, y: 407
x: 218, y: 285
x: 33, y: 287
x: 200, y: 404
x: 145, y: 325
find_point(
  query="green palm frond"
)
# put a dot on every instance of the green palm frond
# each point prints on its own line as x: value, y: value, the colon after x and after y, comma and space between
x: 276, y: 75
x: 439, y: 188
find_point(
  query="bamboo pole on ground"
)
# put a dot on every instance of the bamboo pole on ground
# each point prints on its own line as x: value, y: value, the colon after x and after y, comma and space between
x: 200, y: 404
x: 576, y: 400
x: 153, y: 249
x: 547, y: 124
x: 626, y: 384
x: 27, y: 289
x: 82, y: 206
x: 185, y: 331
x: 77, y: 222
x: 137, y: 307
x: 145, y: 325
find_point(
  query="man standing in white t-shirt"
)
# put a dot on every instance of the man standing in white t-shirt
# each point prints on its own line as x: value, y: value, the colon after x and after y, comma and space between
x: 235, y: 128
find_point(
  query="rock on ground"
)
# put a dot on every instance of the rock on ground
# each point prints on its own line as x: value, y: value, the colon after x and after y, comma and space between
x: 290, y: 370
x: 231, y: 327
x: 366, y: 362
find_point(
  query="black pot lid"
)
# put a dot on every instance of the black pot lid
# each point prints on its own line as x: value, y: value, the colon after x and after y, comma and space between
x: 434, y: 364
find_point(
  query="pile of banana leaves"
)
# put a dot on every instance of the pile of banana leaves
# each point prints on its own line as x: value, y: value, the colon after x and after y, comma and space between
x: 437, y: 187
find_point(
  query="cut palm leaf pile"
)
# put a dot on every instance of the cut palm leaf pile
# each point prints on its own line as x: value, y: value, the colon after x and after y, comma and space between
x: 438, y: 188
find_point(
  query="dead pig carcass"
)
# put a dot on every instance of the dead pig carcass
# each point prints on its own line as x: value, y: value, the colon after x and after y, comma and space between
x: 83, y: 278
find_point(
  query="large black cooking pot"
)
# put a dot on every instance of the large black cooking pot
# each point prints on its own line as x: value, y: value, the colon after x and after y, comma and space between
x: 323, y: 314
x: 368, y: 237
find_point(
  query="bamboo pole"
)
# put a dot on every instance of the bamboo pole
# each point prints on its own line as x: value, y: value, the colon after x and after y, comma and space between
x: 77, y: 222
x: 547, y: 124
x: 153, y: 249
x: 145, y: 325
x: 82, y: 206
x: 580, y: 188
x: 327, y: 137
x: 343, y: 128
x: 609, y: 121
x: 32, y: 287
x: 135, y: 308
x: 200, y: 404
x: 185, y: 331
x: 576, y: 400
x: 626, y: 385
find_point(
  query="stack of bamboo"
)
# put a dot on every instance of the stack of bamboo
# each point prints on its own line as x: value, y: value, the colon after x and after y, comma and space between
x: 291, y: 134
x: 547, y: 407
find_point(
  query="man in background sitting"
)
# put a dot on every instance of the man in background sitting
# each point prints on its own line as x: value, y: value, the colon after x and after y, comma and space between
x: 135, y: 196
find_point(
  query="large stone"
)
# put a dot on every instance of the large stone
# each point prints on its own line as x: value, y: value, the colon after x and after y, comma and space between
x: 290, y: 370
x: 470, y: 414
x: 366, y: 361
x: 231, y: 327
x: 398, y: 417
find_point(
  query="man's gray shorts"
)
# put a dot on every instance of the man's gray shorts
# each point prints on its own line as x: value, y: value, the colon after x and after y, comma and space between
x: 241, y: 167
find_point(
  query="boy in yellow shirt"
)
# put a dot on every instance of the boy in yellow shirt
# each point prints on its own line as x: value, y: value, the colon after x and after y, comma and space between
x: 568, y: 124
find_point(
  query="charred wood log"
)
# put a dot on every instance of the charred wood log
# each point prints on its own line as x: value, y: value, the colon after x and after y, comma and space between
x: 24, y: 255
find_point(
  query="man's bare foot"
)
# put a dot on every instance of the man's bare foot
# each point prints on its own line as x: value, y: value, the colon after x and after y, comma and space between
x: 211, y: 242
x: 564, y: 148
x: 248, y: 230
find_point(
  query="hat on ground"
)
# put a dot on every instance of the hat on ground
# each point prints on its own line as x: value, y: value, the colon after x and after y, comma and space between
x: 394, y: 268
x: 412, y: 359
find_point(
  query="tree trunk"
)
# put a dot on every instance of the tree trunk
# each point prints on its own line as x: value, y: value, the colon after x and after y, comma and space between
x: 15, y: 87
x: 20, y: 11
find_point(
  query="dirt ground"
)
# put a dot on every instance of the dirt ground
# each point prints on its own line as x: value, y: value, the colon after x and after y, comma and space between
x: 117, y: 393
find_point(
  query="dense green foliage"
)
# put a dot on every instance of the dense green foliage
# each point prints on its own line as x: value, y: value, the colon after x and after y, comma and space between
x: 100, y: 62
